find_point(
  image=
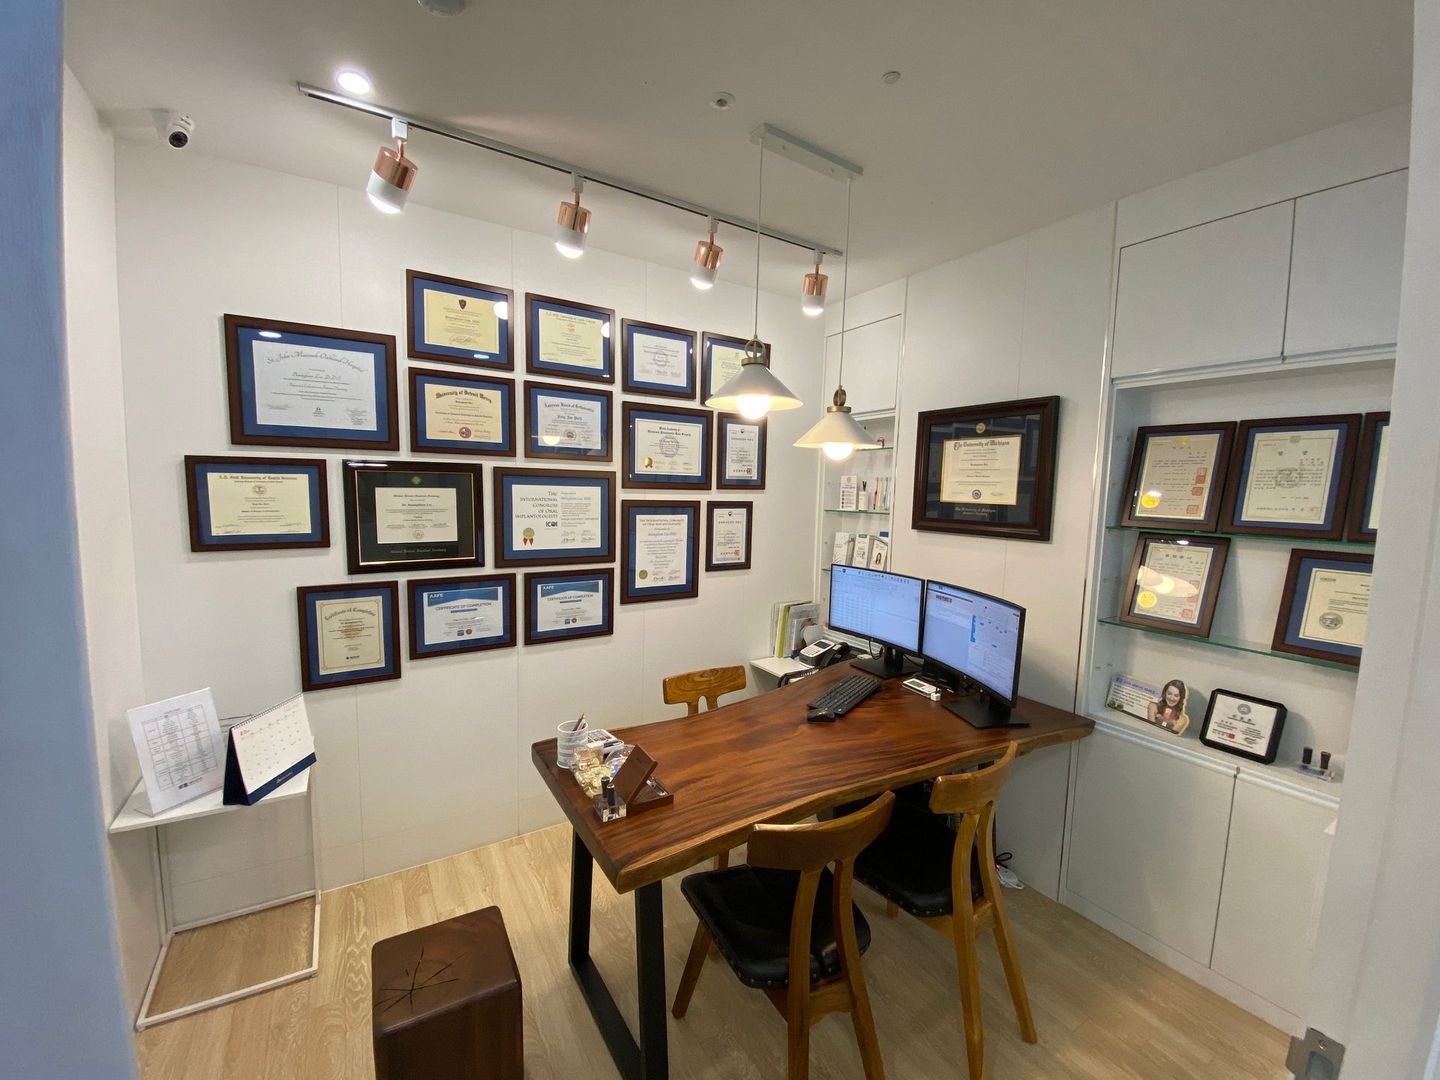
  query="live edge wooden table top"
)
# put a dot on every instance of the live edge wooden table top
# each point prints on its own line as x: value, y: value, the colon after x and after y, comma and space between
x: 759, y: 760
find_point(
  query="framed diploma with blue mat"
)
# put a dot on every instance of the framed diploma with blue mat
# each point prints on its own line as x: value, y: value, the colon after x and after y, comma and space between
x: 659, y: 559
x: 1325, y: 606
x: 249, y: 504
x: 461, y: 614
x: 666, y: 447
x: 567, y: 423
x: 458, y: 322
x: 562, y: 605
x: 657, y: 360
x: 568, y: 339
x: 553, y: 516
x: 349, y: 634
x: 455, y: 413
x: 1290, y: 476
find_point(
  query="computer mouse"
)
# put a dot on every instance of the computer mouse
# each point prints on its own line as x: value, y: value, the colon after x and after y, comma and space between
x: 820, y: 716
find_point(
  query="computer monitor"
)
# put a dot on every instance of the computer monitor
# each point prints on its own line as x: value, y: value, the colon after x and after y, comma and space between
x: 977, y: 638
x: 884, y: 607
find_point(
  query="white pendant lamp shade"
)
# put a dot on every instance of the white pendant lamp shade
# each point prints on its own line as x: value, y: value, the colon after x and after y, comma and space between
x: 391, y: 179
x: 754, y: 391
x: 838, y: 433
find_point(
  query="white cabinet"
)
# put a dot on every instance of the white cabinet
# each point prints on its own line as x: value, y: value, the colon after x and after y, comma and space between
x: 1270, y: 901
x: 872, y: 362
x: 1214, y: 294
x: 1345, y: 273
x: 1147, y: 842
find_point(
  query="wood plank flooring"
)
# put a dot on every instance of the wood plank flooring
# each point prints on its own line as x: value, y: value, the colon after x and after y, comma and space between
x: 1104, y: 1010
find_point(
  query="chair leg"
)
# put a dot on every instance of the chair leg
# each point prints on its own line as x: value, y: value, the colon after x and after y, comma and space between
x: 967, y: 961
x: 694, y: 964
x: 1010, y: 961
x: 798, y: 1067
x: 722, y: 862
x: 864, y: 1021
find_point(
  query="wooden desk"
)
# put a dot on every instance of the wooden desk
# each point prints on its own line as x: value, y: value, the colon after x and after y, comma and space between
x: 754, y: 761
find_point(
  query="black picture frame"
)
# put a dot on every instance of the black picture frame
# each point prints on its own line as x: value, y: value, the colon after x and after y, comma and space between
x: 1203, y: 452
x: 712, y: 510
x: 1292, y: 634
x: 368, y: 551
x: 601, y: 580
x: 726, y: 426
x: 1243, y: 725
x: 459, y: 636
x: 630, y: 330
x: 1238, y: 517
x: 1150, y: 593
x: 633, y: 588
x: 421, y: 347
x: 431, y: 432
x: 358, y: 603
x: 259, y: 473
x: 1369, y: 482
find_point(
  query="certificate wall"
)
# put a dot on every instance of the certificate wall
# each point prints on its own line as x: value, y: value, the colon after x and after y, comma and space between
x: 437, y: 761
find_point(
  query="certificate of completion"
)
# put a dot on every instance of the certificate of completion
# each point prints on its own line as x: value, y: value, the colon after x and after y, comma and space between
x: 555, y: 517
x: 662, y: 550
x: 729, y: 527
x: 569, y: 605
x: 1176, y: 476
x: 572, y: 423
x: 571, y: 340
x: 462, y: 414
x: 1172, y: 582
x: 668, y: 448
x: 350, y: 634
x: 660, y: 361
x: 258, y: 504
x: 984, y: 470
x: 404, y: 515
x: 304, y: 387
x: 742, y: 451
x: 1289, y: 477
x: 461, y: 322
x: 464, y: 612
x: 1337, y: 604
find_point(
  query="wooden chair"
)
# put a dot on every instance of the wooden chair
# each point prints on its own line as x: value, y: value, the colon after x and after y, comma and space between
x: 948, y: 881
x: 765, y: 918
x: 708, y: 684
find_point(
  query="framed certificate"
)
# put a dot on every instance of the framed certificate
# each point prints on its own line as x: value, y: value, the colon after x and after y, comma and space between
x: 1291, y: 477
x: 659, y: 558
x: 1174, y: 582
x: 1364, y: 522
x: 666, y: 447
x: 1246, y: 726
x: 568, y: 339
x: 458, y: 322
x: 740, y: 452
x: 567, y: 423
x: 722, y: 357
x: 729, y: 526
x: 657, y: 360
x: 987, y: 469
x: 244, y: 504
x: 561, y: 605
x: 451, y: 413
x: 1325, y: 605
x: 461, y: 614
x: 348, y: 634
x: 549, y: 516
x: 1177, y: 476
x: 415, y: 515
x: 292, y: 384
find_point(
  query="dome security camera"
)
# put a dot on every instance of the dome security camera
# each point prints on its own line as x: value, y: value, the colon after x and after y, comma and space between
x: 179, y: 130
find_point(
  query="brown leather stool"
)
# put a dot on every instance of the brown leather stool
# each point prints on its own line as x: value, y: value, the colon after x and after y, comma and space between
x: 446, y: 1002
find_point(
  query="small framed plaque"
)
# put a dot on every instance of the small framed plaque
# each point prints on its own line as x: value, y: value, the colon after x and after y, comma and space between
x: 454, y: 413
x: 562, y: 605
x: 568, y: 339
x: 1248, y: 727
x: 1325, y: 606
x: 461, y: 614
x: 721, y: 360
x: 740, y: 452
x: 246, y: 504
x: 553, y: 516
x: 459, y: 322
x: 349, y: 634
x: 413, y: 515
x: 1177, y: 476
x: 657, y: 360
x: 1370, y: 463
x: 1291, y: 477
x: 294, y: 384
x: 666, y: 447
x: 728, y: 531
x: 567, y: 423
x: 660, y: 553
x: 1174, y: 582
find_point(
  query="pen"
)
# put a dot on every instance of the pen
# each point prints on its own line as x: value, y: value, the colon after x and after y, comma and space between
x: 580, y: 724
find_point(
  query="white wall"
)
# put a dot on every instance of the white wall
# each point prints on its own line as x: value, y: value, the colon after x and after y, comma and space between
x: 437, y: 761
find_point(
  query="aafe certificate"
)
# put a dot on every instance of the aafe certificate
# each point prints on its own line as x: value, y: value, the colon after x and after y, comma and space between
x: 462, y: 414
x: 404, y: 515
x: 258, y: 504
x: 983, y: 470
x: 349, y: 632
x: 569, y: 605
x: 666, y: 448
x: 305, y: 387
x: 1176, y: 476
x: 554, y: 517
x: 1337, y: 606
x: 661, y: 550
x: 461, y: 322
x: 572, y: 340
x: 455, y: 614
x: 1289, y: 478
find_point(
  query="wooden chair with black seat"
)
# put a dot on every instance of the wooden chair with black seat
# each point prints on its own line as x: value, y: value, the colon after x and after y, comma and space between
x: 946, y: 878
x: 708, y: 684
x: 787, y: 925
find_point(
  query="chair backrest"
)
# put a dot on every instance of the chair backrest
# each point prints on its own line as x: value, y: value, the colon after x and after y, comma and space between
x: 708, y: 683
x: 973, y: 795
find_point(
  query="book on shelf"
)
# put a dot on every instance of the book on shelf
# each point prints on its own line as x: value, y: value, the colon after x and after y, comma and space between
x: 860, y: 555
x: 849, y: 492
x: 780, y: 625
x: 879, y: 554
x: 842, y: 548
x: 797, y: 618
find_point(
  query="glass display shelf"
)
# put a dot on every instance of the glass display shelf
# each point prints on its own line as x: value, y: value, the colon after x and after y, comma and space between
x: 1219, y: 641
x: 837, y: 510
x: 1293, y: 541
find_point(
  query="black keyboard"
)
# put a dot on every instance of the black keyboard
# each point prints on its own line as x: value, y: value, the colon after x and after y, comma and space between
x: 843, y: 696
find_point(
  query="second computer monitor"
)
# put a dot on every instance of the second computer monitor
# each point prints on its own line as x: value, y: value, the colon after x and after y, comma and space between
x: 884, y: 607
x: 979, y: 637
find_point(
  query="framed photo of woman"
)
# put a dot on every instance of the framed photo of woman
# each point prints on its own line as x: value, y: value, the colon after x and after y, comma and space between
x: 1169, y: 710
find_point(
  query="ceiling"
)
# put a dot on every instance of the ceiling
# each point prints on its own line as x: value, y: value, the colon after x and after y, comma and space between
x: 1008, y: 115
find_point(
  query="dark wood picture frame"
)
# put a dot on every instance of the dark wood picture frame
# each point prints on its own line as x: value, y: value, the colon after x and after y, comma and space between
x: 533, y: 447
x: 414, y: 322
x: 535, y: 366
x: 1209, y: 595
x: 305, y: 594
x: 629, y: 507
x: 415, y: 589
x: 631, y: 385
x: 356, y: 541
x: 1267, y: 754
x: 711, y: 566
x: 1364, y: 492
x: 427, y: 444
x: 244, y: 433
x: 1236, y: 483
x: 1288, y: 614
x: 705, y: 418
x: 197, y: 504
x: 534, y: 580
x: 1218, y: 470
x: 707, y: 365
x: 723, y: 423
x: 609, y: 525
x: 1035, y: 421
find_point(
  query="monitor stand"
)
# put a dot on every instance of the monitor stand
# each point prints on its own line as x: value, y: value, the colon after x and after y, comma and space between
x: 983, y: 711
x: 890, y: 664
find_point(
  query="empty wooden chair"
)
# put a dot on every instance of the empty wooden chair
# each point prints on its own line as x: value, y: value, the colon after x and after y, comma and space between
x: 786, y: 924
x: 920, y: 865
x: 708, y: 683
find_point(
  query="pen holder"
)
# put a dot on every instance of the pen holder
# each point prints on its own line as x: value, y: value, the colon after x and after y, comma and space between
x: 567, y: 741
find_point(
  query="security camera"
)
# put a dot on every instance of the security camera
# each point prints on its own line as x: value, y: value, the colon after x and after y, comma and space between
x: 178, y: 130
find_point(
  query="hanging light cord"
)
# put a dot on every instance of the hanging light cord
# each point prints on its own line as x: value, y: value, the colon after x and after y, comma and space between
x: 844, y: 292
x: 759, y: 206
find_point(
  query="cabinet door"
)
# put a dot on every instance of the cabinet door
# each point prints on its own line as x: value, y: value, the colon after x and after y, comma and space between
x: 872, y: 359
x: 1209, y: 295
x: 1148, y: 840
x: 1274, y: 880
x: 1345, y: 273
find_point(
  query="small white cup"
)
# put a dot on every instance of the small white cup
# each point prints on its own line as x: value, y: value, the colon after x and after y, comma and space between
x: 567, y: 741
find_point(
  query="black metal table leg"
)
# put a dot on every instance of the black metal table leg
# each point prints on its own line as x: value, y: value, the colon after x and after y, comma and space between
x: 650, y: 977
x: 581, y: 872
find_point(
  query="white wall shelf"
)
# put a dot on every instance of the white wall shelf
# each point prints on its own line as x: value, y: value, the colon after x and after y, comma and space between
x: 1291, y: 541
x: 1220, y: 641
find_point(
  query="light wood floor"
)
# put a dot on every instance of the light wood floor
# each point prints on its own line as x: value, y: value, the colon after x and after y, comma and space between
x: 1104, y: 1010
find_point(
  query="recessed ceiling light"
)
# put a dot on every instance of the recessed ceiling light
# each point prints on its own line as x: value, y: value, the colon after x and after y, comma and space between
x: 890, y: 78
x: 444, y: 7
x: 722, y: 100
x: 353, y: 82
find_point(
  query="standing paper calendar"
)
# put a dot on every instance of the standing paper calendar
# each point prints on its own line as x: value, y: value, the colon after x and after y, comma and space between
x: 267, y: 750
